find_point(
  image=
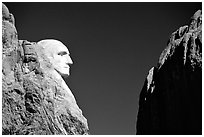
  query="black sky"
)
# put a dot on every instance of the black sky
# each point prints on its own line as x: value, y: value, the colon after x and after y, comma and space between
x: 113, y: 46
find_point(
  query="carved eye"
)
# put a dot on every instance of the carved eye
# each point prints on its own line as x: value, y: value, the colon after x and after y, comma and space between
x: 62, y: 53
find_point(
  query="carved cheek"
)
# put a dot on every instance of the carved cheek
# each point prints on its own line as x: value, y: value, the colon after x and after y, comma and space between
x: 65, y: 61
x: 57, y: 61
x: 62, y: 60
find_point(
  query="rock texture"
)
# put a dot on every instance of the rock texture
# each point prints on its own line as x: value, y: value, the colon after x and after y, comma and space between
x: 33, y: 102
x: 171, y: 98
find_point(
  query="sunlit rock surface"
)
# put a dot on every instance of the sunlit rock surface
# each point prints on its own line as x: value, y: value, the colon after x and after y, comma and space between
x: 33, y: 102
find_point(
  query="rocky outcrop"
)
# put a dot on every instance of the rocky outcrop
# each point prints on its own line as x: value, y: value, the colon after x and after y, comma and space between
x: 171, y: 98
x: 33, y: 103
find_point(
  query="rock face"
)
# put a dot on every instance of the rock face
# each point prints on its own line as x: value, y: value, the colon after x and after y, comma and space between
x: 33, y: 102
x: 171, y: 98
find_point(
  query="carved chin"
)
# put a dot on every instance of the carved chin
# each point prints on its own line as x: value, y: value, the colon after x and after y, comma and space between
x: 63, y: 71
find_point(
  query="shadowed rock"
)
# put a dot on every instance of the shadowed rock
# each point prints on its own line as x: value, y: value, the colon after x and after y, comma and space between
x: 171, y: 98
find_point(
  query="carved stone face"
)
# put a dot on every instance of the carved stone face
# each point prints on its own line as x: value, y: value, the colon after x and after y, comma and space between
x: 58, y: 54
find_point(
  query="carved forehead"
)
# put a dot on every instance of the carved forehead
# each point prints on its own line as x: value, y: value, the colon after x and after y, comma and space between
x: 53, y: 46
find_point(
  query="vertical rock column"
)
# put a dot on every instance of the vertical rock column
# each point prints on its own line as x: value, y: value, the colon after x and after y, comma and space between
x: 171, y: 98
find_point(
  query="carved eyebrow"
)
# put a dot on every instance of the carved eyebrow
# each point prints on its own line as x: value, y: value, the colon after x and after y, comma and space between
x: 62, y: 53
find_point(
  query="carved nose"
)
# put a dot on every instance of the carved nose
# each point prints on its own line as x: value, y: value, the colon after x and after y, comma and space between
x: 69, y: 61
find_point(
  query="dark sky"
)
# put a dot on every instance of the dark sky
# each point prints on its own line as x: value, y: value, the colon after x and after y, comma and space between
x: 113, y: 46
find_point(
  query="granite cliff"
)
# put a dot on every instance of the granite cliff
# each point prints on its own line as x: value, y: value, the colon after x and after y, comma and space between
x: 171, y: 99
x: 33, y: 103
